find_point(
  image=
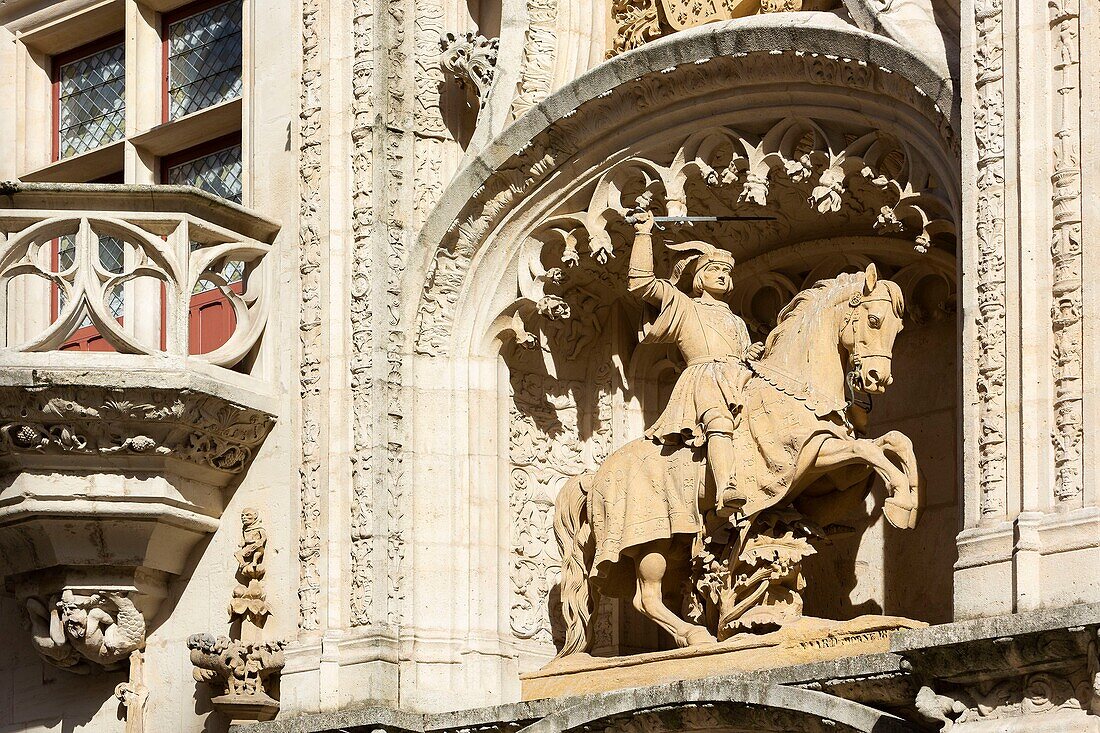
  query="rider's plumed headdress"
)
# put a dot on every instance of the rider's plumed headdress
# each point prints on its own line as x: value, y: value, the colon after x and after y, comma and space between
x: 684, y: 271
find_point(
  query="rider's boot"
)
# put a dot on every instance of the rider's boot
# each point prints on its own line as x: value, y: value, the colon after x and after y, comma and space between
x: 721, y: 457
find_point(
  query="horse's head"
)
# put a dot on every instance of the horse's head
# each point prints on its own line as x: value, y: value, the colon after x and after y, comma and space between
x: 868, y: 333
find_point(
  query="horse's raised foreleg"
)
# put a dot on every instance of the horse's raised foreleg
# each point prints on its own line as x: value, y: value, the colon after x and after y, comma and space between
x: 900, y: 507
x: 651, y: 565
x: 901, y: 447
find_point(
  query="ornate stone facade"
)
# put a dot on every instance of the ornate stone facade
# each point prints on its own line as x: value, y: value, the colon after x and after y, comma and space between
x: 437, y: 380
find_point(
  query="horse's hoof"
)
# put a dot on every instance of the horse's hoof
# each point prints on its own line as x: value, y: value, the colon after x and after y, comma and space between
x: 898, y: 515
x: 697, y: 636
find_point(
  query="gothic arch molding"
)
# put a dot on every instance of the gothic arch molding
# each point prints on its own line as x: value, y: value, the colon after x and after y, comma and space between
x: 826, y: 68
x: 720, y: 703
x: 794, y: 103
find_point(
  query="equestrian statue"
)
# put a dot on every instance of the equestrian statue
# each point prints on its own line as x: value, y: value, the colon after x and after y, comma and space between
x: 757, y: 450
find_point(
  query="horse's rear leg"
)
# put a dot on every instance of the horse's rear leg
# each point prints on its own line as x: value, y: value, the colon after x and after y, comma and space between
x: 651, y: 565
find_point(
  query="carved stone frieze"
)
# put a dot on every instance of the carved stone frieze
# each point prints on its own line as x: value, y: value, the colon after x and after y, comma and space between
x: 639, y: 21
x: 1009, y: 676
x: 140, y: 424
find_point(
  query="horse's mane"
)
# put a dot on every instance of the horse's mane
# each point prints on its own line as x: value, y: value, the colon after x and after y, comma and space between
x: 839, y: 288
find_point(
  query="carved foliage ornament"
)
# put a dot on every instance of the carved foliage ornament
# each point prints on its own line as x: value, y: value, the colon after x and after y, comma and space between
x: 640, y: 21
x: 201, y: 429
x: 819, y: 178
x: 472, y: 59
x: 585, y: 126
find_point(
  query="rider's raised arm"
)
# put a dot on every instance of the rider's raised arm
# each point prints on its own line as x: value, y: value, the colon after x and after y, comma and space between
x: 642, y: 282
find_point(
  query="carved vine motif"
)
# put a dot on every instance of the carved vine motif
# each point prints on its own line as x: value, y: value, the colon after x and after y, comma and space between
x: 1066, y: 248
x: 553, y: 435
x: 387, y: 111
x: 310, y: 321
x: 553, y: 147
x: 989, y: 136
x: 198, y: 428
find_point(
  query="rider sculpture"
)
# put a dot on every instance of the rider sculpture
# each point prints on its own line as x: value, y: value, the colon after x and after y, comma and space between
x: 758, y: 449
x: 706, y: 401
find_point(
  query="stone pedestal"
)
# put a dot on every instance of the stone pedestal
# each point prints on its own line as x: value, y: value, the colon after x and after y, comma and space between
x: 801, y: 642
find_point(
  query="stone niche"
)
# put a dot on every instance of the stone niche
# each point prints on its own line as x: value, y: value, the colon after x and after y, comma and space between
x: 580, y: 384
x: 109, y: 479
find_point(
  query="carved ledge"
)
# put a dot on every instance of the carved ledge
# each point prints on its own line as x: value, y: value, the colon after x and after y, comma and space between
x: 110, y: 477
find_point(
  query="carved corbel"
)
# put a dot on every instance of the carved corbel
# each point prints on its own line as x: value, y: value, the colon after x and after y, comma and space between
x: 471, y: 58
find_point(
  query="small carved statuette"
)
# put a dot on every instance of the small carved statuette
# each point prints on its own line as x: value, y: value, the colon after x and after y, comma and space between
x: 249, y: 599
x: 239, y: 665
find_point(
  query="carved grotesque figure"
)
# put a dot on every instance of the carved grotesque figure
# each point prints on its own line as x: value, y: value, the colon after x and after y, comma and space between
x: 73, y: 630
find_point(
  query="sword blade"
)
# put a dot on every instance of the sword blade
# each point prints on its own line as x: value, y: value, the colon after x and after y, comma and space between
x: 692, y: 219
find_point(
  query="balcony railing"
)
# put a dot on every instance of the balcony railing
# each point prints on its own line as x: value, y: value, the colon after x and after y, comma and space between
x: 168, y: 245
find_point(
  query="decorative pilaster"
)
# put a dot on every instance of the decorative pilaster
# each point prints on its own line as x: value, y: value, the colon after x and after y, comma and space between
x: 310, y: 322
x: 1066, y: 250
x: 989, y: 135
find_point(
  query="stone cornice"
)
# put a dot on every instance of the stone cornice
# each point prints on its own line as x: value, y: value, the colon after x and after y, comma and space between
x: 139, y: 419
x: 137, y: 198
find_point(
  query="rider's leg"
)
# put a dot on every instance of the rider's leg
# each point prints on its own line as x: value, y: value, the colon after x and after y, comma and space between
x: 721, y: 457
x: 651, y: 564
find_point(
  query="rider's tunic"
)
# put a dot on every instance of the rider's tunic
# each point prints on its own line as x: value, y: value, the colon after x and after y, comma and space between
x: 713, y: 342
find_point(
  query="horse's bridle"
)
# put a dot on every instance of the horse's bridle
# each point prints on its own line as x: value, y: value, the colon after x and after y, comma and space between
x: 853, y: 381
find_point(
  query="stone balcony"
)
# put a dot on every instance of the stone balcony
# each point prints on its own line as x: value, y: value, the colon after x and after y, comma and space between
x: 119, y: 448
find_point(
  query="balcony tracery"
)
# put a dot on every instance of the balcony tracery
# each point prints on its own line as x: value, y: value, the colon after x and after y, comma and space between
x: 114, y: 466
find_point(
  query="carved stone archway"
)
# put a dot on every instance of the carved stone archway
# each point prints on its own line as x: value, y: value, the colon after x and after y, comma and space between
x: 845, y: 137
x: 719, y: 704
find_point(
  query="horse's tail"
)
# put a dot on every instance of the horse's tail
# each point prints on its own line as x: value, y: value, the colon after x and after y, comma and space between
x: 577, y: 545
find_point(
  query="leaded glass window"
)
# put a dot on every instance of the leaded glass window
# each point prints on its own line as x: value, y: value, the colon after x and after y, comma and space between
x: 218, y: 172
x: 204, y: 59
x: 111, y: 259
x: 233, y: 272
x: 91, y: 106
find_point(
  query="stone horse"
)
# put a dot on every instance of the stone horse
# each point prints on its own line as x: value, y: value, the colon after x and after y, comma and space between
x: 630, y: 527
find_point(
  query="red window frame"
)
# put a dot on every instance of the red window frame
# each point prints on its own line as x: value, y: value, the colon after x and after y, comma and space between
x: 86, y: 338
x: 67, y: 57
x: 166, y: 20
